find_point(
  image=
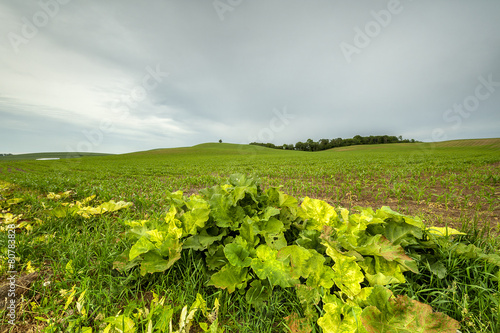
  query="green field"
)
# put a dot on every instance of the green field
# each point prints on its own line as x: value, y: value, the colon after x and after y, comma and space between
x: 449, y: 182
x: 455, y: 183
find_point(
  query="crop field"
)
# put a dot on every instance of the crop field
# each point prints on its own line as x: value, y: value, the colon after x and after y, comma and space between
x: 77, y: 219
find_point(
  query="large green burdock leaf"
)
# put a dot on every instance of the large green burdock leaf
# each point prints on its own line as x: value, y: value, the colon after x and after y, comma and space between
x: 380, y: 246
x: 174, y: 225
x: 122, y: 262
x: 317, y: 213
x: 348, y: 275
x: 281, y: 199
x: 379, y: 271
x: 269, y: 212
x: 249, y: 230
x: 239, y: 179
x: 308, y: 264
x: 238, y: 194
x: 237, y: 255
x: 171, y: 248
x: 143, y: 245
x: 288, y: 205
x: 63, y: 211
x: 310, y: 239
x: 204, y: 239
x: 258, y: 293
x: 122, y: 323
x: 230, y: 278
x: 379, y: 297
x: 197, y: 215
x: 366, y: 216
x: 385, y: 213
x: 404, y: 315
x: 267, y: 266
x: 271, y: 226
x: 272, y: 230
x: 341, y: 317
x: 324, y: 277
x: 301, y: 264
x: 153, y: 262
x: 286, y: 200
x: 215, y: 257
x: 352, y: 229
x: 402, y: 233
x: 175, y: 198
x: 220, y: 206
x: 473, y: 252
x: 307, y: 294
x: 243, y: 185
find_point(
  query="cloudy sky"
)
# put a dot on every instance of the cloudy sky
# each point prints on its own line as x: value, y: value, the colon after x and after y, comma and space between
x: 120, y: 76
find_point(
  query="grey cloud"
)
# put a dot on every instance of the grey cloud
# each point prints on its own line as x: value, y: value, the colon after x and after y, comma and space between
x: 226, y: 77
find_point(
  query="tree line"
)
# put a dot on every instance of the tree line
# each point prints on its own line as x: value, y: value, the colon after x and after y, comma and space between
x: 324, y: 144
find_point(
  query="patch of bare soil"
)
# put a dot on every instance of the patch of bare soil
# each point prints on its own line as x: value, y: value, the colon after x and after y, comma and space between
x: 437, y: 214
x: 22, y: 284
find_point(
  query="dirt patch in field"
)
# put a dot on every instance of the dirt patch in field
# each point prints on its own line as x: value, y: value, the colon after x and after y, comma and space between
x: 432, y: 213
x: 436, y: 214
x: 468, y: 143
x: 23, y: 285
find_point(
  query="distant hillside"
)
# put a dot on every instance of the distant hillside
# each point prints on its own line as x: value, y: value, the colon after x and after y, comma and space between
x: 325, y: 144
x: 216, y: 149
x: 54, y: 155
x: 206, y: 149
x: 492, y: 143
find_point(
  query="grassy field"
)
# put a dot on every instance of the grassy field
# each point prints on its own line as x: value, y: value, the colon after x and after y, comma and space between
x: 455, y: 183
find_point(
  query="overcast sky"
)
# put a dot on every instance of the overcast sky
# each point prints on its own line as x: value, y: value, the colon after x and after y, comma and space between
x: 119, y: 76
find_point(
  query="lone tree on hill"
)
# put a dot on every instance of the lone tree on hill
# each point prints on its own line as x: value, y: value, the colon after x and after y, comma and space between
x: 220, y: 140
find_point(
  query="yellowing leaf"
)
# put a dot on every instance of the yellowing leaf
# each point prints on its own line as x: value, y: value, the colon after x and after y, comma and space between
x: 444, y: 231
x: 122, y: 323
x: 69, y: 267
x: 174, y: 225
x: 69, y: 299
x: 230, y: 278
x: 318, y: 213
x: 143, y: 245
x: 379, y: 271
x: 402, y: 314
x: 81, y: 308
x: 156, y: 236
x: 348, y: 275
x: 267, y: 266
x: 237, y: 255
x: 29, y: 268
x: 341, y: 317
